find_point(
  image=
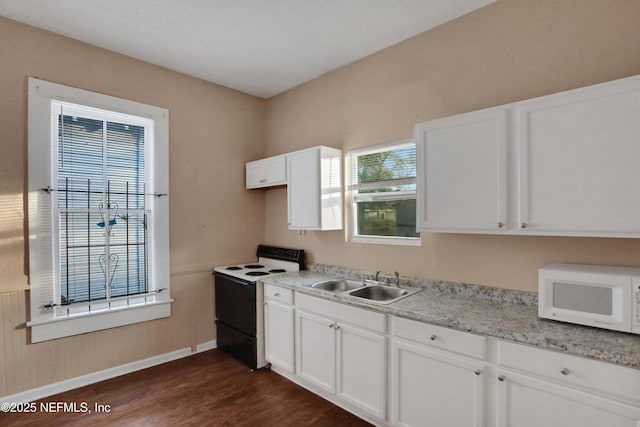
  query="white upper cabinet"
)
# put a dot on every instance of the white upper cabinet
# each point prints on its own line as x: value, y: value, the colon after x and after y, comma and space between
x: 579, y: 157
x: 314, y: 189
x: 564, y: 164
x: 461, y: 172
x: 266, y: 172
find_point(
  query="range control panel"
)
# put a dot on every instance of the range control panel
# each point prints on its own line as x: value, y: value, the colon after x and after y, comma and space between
x: 284, y: 254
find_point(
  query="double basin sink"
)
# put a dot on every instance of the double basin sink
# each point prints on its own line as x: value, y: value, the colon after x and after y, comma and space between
x: 371, y: 291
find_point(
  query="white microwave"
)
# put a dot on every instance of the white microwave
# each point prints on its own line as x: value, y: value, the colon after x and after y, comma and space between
x: 593, y: 295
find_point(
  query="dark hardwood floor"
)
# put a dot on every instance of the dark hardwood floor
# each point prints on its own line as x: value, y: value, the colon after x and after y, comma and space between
x: 207, y: 389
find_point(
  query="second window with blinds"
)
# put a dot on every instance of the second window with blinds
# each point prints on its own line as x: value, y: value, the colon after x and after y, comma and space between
x: 382, y: 193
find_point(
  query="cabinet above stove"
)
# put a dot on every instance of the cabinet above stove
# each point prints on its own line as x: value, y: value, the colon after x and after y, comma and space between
x: 314, y: 185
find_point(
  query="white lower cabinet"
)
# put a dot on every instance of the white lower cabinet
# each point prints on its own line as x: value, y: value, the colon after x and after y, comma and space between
x: 362, y: 369
x: 435, y: 389
x: 527, y: 401
x: 279, y: 335
x: 432, y: 384
x: 316, y: 350
x: 337, y: 355
x: 543, y: 388
x: 431, y: 376
x: 279, y: 326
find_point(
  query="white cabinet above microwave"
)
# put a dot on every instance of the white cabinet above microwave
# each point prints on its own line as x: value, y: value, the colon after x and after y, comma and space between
x: 565, y: 164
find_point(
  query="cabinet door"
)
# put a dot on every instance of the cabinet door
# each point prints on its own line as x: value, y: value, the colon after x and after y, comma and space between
x: 316, y: 350
x: 362, y: 369
x: 279, y: 321
x: 275, y: 170
x: 462, y: 172
x: 525, y: 401
x: 303, y: 190
x: 255, y: 174
x: 578, y: 161
x: 431, y: 388
x: 266, y: 172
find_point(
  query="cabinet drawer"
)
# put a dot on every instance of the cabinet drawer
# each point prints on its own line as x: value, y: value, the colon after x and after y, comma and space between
x: 444, y: 338
x: 276, y: 293
x: 599, y: 376
x: 342, y: 312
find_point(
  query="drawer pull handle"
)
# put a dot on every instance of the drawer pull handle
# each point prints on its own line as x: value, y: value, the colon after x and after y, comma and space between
x: 477, y: 372
x: 332, y: 326
x: 433, y: 337
x: 501, y: 378
x: 564, y: 371
x: 277, y: 294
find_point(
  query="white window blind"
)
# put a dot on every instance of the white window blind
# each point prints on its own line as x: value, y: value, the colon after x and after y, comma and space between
x: 101, y: 204
x: 98, y: 224
x: 382, y: 191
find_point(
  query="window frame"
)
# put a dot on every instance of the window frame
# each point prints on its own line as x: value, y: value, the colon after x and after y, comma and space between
x: 352, y: 211
x: 45, y: 323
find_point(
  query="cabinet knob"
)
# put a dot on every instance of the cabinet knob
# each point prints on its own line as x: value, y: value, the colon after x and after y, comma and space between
x: 276, y: 294
x: 500, y: 224
x: 433, y: 337
x: 501, y: 378
x: 523, y: 225
x: 332, y: 326
x: 564, y: 371
x: 477, y: 371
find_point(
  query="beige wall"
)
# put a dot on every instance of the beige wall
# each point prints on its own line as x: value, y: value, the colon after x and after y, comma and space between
x: 213, y: 132
x: 508, y: 51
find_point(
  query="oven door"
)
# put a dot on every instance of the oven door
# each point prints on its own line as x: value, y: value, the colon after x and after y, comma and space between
x: 239, y: 345
x: 236, y: 303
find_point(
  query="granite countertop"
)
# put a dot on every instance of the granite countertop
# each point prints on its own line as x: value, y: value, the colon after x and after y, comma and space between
x: 500, y: 318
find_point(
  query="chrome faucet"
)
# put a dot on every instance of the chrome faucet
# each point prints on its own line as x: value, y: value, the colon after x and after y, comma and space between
x: 377, y: 275
x: 397, y: 279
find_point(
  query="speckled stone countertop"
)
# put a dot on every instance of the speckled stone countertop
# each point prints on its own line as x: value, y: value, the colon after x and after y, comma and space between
x: 487, y: 311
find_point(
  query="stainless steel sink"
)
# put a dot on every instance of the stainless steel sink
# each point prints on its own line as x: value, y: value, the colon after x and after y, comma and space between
x: 339, y: 285
x: 382, y: 294
x: 369, y: 290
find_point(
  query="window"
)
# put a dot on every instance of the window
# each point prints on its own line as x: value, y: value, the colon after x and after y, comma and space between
x: 98, y: 211
x: 382, y: 193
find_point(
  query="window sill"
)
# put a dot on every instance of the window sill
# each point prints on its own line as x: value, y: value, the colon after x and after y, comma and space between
x: 400, y: 241
x: 53, y: 328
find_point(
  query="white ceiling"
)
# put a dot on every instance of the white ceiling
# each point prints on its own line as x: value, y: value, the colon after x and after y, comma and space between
x: 261, y: 47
